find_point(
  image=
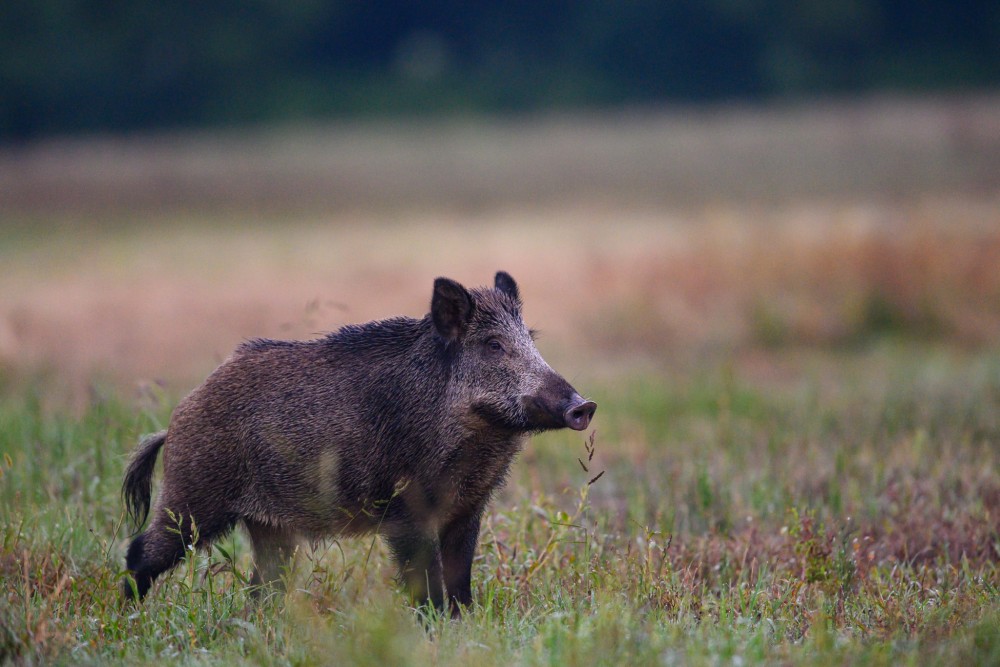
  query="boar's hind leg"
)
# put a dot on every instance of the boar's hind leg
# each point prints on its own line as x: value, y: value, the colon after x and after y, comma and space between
x: 273, y: 548
x: 418, y: 558
x: 458, y: 546
x: 149, y: 555
x: 163, y: 544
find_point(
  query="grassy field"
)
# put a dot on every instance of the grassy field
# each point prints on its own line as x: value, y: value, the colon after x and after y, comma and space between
x: 799, y: 386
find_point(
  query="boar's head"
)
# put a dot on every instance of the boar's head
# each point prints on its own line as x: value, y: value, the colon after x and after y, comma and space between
x: 497, y: 372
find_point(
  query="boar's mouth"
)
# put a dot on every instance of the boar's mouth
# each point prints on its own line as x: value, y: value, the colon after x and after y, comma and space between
x: 507, y: 418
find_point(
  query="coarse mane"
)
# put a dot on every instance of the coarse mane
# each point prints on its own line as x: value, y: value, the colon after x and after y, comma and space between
x: 394, y: 332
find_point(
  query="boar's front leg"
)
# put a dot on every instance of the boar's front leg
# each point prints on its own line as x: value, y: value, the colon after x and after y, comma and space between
x: 458, y: 547
x: 273, y: 550
x: 418, y: 557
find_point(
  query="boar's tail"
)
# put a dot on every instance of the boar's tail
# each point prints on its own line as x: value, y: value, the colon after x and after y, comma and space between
x: 138, y: 485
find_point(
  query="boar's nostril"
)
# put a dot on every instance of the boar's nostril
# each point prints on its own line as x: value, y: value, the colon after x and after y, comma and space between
x: 579, y: 414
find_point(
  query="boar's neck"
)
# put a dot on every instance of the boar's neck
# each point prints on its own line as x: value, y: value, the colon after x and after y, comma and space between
x: 399, y: 371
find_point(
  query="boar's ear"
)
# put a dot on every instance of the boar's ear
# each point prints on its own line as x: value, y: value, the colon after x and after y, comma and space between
x: 451, y: 308
x: 505, y: 283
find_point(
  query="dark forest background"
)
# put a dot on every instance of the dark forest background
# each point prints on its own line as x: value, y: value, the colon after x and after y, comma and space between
x: 70, y: 66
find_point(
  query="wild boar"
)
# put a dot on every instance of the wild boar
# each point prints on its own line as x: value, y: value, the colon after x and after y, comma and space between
x: 401, y: 427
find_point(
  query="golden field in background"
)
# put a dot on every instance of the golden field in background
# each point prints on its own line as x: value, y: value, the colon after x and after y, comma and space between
x: 637, y: 237
x: 169, y: 301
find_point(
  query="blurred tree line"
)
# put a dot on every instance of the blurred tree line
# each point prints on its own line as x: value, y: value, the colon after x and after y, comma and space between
x: 94, y: 65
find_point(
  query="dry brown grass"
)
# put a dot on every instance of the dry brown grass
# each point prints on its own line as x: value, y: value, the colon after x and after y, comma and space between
x: 604, y: 284
x: 816, y: 275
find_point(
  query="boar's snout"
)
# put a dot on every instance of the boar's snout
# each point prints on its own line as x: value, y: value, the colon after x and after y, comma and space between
x: 579, y: 413
x: 557, y: 405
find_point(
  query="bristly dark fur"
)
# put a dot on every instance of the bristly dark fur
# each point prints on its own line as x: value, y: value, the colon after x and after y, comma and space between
x: 402, y: 427
x: 137, y: 489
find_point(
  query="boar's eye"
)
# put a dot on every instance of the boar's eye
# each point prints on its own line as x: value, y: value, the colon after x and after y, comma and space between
x: 495, y: 346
